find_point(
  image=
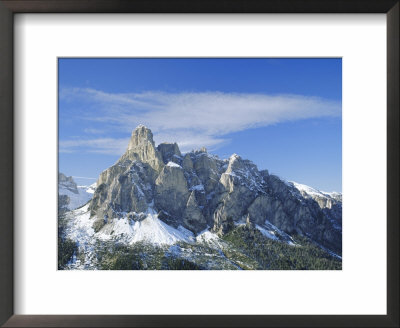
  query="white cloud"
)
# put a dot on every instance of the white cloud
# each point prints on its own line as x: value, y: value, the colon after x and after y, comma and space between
x: 198, y: 119
x: 110, y: 146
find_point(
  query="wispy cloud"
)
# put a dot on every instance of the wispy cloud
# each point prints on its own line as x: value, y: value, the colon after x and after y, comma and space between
x: 192, y: 119
x: 110, y: 146
x: 84, y: 178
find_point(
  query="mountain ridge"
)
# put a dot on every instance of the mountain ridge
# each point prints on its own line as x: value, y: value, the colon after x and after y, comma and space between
x: 184, y: 196
x: 199, y: 190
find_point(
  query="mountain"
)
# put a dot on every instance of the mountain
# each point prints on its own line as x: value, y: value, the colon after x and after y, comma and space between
x: 195, y: 210
x: 72, y: 196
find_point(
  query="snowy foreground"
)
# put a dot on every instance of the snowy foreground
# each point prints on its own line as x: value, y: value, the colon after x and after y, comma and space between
x: 150, y: 231
x: 151, y: 235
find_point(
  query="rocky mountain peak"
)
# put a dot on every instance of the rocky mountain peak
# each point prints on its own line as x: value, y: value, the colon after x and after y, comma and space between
x: 140, y: 137
x: 234, y: 157
x: 199, y: 190
x: 235, y: 162
x: 141, y: 148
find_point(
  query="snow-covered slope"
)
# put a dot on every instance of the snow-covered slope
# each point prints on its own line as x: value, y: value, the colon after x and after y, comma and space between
x: 150, y: 229
x: 208, y: 237
x: 307, y: 189
x: 77, y: 195
x: 272, y: 232
x: 79, y: 198
x: 324, y: 199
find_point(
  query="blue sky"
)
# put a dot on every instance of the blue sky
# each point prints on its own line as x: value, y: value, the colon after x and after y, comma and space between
x: 283, y: 114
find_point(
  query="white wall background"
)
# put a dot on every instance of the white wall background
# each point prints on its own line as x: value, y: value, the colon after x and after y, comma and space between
x: 360, y: 288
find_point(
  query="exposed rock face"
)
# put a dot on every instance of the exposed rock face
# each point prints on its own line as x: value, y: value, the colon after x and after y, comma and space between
x: 128, y: 185
x: 199, y: 190
x: 170, y: 152
x: 193, y: 218
x: 187, y: 163
x: 206, y: 170
x: 241, y: 182
x: 171, y: 191
x: 141, y: 148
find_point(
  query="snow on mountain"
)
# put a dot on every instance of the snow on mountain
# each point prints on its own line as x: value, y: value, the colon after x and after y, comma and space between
x: 324, y: 199
x: 85, y: 193
x: 307, y: 190
x: 79, y: 227
x: 77, y: 195
x: 151, y: 229
x: 89, y: 189
x: 209, y: 238
x: 198, y: 187
x: 172, y: 164
x: 267, y: 233
x: 333, y: 194
x: 144, y: 198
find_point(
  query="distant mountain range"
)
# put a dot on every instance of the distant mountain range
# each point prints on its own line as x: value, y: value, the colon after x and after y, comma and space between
x: 72, y: 196
x: 157, y: 208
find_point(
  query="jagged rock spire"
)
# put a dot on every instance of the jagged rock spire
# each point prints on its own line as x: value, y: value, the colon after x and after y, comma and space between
x: 140, y: 137
x: 141, y: 147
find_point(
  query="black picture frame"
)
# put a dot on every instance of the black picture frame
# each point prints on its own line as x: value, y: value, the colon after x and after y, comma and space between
x: 10, y: 7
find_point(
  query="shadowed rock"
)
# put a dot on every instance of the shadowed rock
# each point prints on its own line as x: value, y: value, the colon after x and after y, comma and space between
x: 170, y: 152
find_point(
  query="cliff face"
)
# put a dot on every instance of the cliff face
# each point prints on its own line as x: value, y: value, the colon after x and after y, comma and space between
x: 199, y: 191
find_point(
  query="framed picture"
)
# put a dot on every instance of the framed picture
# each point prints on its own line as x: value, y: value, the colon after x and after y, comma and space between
x: 182, y: 195
x: 186, y: 169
